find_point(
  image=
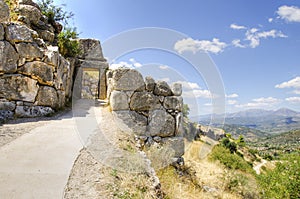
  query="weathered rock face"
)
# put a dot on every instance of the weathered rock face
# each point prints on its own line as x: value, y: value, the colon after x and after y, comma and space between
x: 174, y: 103
x: 18, y: 33
x: 119, y: 101
x: 7, y: 105
x: 161, y: 124
x: 176, y: 89
x: 150, y: 83
x: 29, y: 51
x: 31, y: 13
x: 127, y: 80
x: 39, y: 71
x: 1, y: 32
x: 4, y: 12
x: 8, y: 58
x: 162, y: 88
x: 149, y: 109
x: 176, y: 144
x: 18, y: 88
x: 144, y: 101
x: 90, y: 49
x: 137, y: 123
x: 33, y: 111
x: 47, y: 96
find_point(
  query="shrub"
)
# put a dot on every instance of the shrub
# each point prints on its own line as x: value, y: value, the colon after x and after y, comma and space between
x: 284, y: 180
x: 230, y: 160
x: 67, y: 43
x: 54, y: 12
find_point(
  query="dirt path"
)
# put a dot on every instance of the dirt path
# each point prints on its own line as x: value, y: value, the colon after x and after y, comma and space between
x: 257, y: 167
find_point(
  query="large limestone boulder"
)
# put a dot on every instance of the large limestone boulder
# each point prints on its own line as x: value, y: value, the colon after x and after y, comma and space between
x: 31, y: 13
x: 125, y: 79
x: 176, y: 144
x: 144, y: 101
x: 131, y: 121
x: 162, y: 89
x: 46, y: 35
x: 39, y: 71
x: 52, y: 56
x: 8, y: 58
x: 29, y: 51
x: 4, y: 12
x: 7, y: 105
x: 19, y: 33
x: 119, y: 101
x: 47, y: 96
x: 150, y: 83
x: 161, y: 124
x: 33, y: 111
x: 176, y: 89
x: 90, y: 49
x: 29, y: 2
x: 18, y: 88
x: 62, y: 74
x: 2, y: 32
x: 174, y: 103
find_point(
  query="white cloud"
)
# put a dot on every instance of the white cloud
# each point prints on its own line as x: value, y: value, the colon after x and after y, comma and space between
x: 254, y: 36
x: 232, y: 102
x: 294, y: 100
x: 289, y: 13
x: 164, y: 67
x: 189, y: 85
x: 293, y: 83
x: 215, y: 46
x: 237, y: 27
x: 135, y: 63
x: 234, y: 95
x: 270, y: 20
x: 260, y: 103
x: 193, y: 90
x: 237, y: 43
x: 208, y: 104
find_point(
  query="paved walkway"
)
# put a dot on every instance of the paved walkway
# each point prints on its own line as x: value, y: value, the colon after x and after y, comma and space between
x: 38, y: 164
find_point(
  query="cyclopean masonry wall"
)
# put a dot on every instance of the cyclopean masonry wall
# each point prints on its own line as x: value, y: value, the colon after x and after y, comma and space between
x: 35, y: 80
x: 151, y: 110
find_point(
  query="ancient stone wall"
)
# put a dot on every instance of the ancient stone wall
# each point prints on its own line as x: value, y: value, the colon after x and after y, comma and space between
x: 35, y: 79
x: 151, y: 110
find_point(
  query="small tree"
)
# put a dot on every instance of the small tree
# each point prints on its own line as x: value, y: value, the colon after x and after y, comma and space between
x: 54, y: 12
x: 241, y: 141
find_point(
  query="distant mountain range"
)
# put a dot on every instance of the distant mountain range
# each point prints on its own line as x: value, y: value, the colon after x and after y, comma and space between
x: 266, y: 121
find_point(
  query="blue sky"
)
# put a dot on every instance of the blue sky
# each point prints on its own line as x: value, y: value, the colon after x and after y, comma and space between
x: 255, y: 45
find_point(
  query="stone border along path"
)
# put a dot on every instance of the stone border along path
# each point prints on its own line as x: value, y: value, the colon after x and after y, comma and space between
x: 38, y: 164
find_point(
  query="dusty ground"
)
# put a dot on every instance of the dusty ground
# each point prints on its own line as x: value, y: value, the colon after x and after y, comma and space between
x: 110, y: 166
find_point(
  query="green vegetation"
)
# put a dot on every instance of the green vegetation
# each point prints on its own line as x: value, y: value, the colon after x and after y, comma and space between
x: 66, y: 40
x: 54, y: 12
x: 272, y: 147
x: 230, y: 160
x: 67, y: 43
x: 284, y: 180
